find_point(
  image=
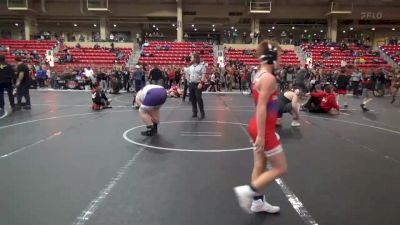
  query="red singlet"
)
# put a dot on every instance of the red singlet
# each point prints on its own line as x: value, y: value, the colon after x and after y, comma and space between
x: 272, y: 143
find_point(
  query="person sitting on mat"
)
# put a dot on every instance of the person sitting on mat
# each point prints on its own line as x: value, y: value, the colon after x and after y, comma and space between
x: 99, y: 98
x: 175, y: 92
x: 150, y: 99
x: 288, y: 102
x: 315, y: 97
x: 327, y: 103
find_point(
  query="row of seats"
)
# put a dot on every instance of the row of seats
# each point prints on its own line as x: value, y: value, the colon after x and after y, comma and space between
x: 176, y: 54
x: 393, y: 51
x: 337, y: 55
x: 83, y: 56
x: 101, y: 56
x: 289, y: 58
x: 27, y: 45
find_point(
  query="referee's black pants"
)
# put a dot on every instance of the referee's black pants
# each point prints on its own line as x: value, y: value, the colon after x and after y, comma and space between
x: 185, y: 89
x: 195, y: 96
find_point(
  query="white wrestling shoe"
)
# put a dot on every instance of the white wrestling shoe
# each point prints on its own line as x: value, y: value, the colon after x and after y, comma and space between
x: 245, y: 196
x: 263, y: 206
x: 295, y: 123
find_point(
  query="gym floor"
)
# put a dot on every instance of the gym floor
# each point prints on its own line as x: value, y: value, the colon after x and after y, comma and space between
x: 62, y: 163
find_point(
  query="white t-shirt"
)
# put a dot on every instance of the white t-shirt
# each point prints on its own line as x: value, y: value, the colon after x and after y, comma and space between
x: 89, y: 73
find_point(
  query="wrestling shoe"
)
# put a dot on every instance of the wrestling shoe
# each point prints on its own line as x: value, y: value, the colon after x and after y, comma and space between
x: 155, y: 128
x: 364, y: 109
x: 295, y: 123
x: 245, y: 196
x: 149, y: 131
x: 263, y: 206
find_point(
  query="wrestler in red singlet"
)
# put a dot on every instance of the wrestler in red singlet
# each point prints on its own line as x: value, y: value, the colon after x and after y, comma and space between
x: 272, y: 143
x: 268, y: 148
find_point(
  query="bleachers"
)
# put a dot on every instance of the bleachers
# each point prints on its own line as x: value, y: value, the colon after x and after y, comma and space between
x: 95, y: 58
x: 176, y: 54
x: 393, y: 51
x: 27, y: 45
x: 337, y: 55
x: 289, y: 57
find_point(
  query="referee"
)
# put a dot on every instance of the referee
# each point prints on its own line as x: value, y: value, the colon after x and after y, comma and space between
x: 197, y: 72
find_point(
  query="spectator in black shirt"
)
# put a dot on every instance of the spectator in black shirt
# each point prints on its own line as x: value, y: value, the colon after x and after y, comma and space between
x: 23, y: 83
x: 155, y: 76
x: 6, y: 77
x: 125, y: 77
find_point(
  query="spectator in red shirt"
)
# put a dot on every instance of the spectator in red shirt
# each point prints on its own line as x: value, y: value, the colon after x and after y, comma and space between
x: 171, y: 76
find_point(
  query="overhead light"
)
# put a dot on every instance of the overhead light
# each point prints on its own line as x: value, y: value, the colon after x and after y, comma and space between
x: 192, y: 25
x: 232, y: 28
x: 305, y: 31
x: 213, y: 25
x: 214, y: 29
x: 16, y: 24
x: 236, y: 30
x: 95, y: 25
x: 157, y: 28
x: 393, y: 28
x: 115, y: 25
x: 75, y: 25
x: 373, y: 28
x: 269, y: 30
x: 315, y: 34
x: 273, y: 28
x: 195, y: 29
x: 344, y: 32
x: 292, y: 28
x: 322, y: 31
x: 154, y: 25
x: 173, y: 25
x: 351, y: 28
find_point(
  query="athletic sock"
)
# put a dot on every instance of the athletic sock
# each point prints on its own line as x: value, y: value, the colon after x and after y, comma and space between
x: 257, y: 197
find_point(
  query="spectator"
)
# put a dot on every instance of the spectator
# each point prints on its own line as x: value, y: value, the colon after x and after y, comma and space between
x: 78, y: 45
x: 68, y: 58
x: 41, y: 76
x: 138, y: 76
x: 23, y: 84
x: 155, y: 76
x: 112, y: 46
x: 120, y: 55
x: 96, y: 46
x: 6, y: 78
x: 355, y: 81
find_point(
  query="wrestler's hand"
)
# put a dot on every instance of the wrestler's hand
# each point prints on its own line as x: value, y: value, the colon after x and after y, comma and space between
x: 259, y: 144
x: 199, y: 86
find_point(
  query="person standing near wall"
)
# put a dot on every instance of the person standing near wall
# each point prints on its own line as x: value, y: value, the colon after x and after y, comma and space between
x: 22, y: 84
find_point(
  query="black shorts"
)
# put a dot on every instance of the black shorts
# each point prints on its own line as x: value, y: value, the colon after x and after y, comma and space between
x: 287, y: 108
